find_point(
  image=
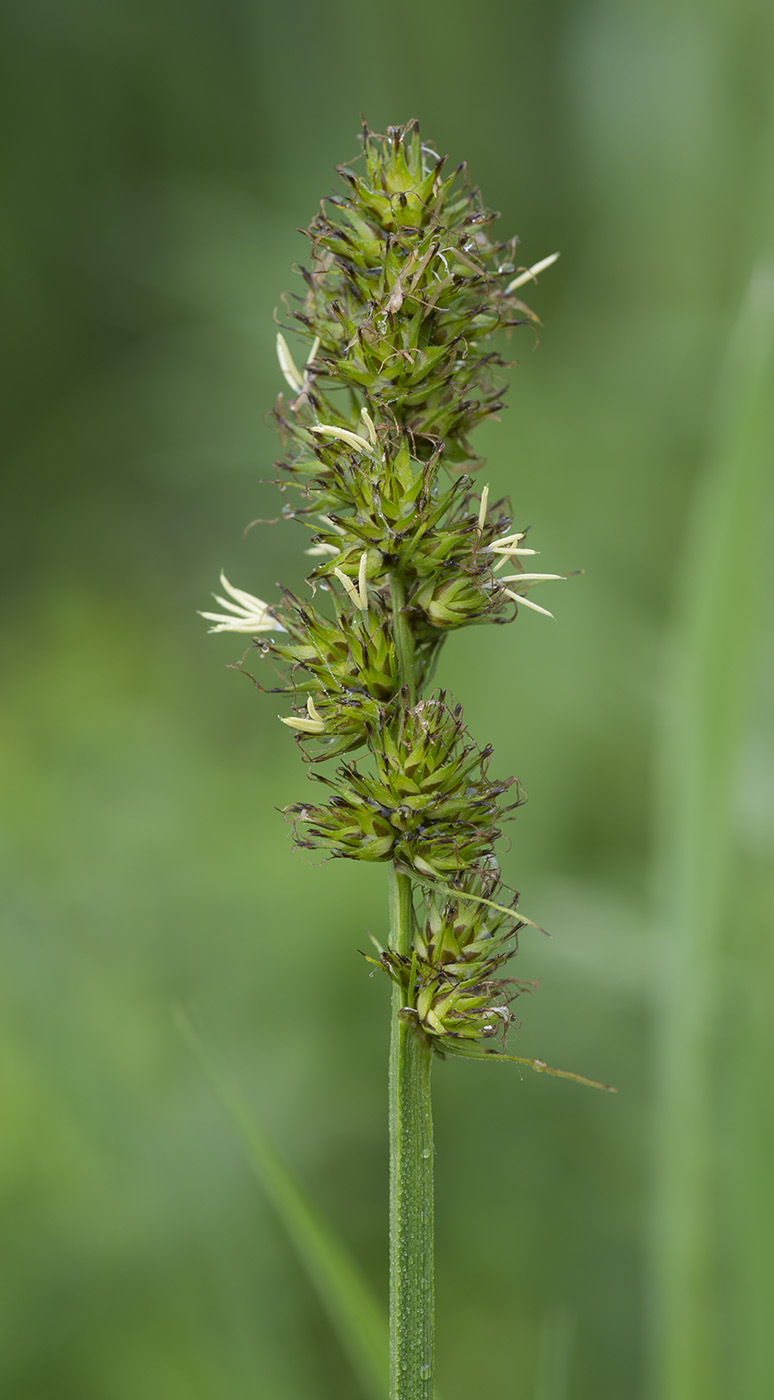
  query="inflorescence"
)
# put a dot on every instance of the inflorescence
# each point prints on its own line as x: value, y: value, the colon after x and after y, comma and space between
x: 405, y: 290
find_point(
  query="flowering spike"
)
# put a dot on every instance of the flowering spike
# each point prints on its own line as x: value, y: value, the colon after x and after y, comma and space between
x: 407, y: 287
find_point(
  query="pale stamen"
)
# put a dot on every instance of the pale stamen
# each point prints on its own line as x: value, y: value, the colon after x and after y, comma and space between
x: 288, y: 365
x: 527, y: 603
x: 530, y: 578
x: 317, y: 550
x: 357, y: 593
x: 509, y: 554
x: 314, y: 724
x: 506, y: 540
x: 248, y: 614
x: 369, y: 422
x: 483, y: 506
x: 531, y: 273
x: 343, y: 435
x: 304, y: 726
x: 362, y: 583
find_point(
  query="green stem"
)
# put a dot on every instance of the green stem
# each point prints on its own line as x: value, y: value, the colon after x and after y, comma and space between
x: 412, y: 1310
x: 404, y: 640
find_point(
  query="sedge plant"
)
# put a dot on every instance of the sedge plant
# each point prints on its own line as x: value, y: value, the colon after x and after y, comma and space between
x: 405, y: 292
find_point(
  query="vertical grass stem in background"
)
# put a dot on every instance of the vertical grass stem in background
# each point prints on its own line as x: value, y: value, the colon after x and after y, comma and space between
x: 344, y: 1293
x: 555, y: 1350
x: 715, y: 644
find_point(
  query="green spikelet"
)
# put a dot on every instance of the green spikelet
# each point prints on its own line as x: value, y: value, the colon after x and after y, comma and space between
x: 405, y: 288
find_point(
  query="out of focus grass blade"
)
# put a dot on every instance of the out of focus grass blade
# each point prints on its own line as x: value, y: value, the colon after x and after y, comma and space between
x: 354, y: 1313
x: 750, y: 1140
x: 554, y: 1356
x: 716, y: 642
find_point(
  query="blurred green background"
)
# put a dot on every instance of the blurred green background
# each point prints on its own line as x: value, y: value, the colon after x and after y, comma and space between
x: 159, y: 158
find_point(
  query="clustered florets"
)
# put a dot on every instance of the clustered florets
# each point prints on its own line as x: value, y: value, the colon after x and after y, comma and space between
x: 404, y: 292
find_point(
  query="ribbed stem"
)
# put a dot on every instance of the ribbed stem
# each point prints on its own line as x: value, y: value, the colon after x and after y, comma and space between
x: 412, y: 1306
x: 404, y: 640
